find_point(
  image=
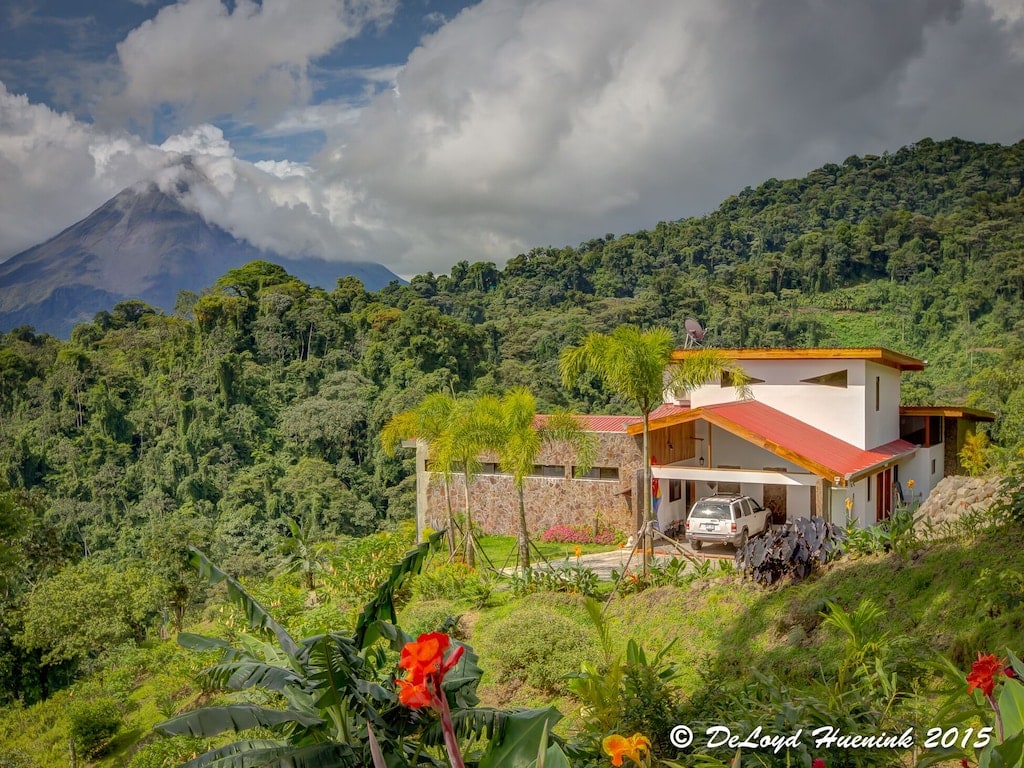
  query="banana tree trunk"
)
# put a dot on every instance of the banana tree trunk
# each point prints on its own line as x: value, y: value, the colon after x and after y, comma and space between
x: 451, y: 518
x: 470, y: 553
x: 524, y: 537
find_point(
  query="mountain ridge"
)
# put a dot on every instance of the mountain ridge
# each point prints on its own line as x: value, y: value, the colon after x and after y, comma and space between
x: 141, y: 244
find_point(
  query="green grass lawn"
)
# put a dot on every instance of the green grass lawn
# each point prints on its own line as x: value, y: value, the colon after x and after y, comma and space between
x: 501, y: 550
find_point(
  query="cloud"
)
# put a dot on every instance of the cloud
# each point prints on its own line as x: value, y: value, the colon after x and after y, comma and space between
x: 550, y: 122
x: 516, y: 124
x: 57, y: 169
x: 204, y: 61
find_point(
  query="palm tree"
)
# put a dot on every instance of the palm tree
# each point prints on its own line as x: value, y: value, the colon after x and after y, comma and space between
x: 428, y: 422
x: 637, y: 366
x: 471, y: 429
x: 456, y: 430
x: 520, y: 441
x: 302, y: 552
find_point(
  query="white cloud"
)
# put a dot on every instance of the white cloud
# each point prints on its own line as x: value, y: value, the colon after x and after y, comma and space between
x: 206, y: 61
x: 550, y: 122
x: 56, y: 170
x: 518, y: 124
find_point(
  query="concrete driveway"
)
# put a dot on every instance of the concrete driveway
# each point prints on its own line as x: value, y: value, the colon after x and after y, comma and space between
x: 602, y: 563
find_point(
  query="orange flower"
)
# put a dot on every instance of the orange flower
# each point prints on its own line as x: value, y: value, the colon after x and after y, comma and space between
x: 983, y: 673
x: 849, y: 503
x: 413, y: 695
x: 910, y: 483
x: 424, y: 656
x: 618, y: 747
x: 424, y: 661
x: 578, y: 550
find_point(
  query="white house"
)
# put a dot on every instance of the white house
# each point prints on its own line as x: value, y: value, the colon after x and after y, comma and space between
x: 824, y: 428
x: 822, y: 432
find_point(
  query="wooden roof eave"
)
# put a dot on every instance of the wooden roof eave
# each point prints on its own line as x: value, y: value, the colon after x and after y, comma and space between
x: 745, y: 434
x: 949, y: 411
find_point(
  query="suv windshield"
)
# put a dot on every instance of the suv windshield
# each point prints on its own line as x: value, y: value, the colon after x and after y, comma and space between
x: 712, y: 511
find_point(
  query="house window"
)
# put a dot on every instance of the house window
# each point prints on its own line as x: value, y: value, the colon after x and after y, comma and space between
x: 834, y: 379
x: 728, y: 487
x: 597, y: 473
x: 548, y: 470
x: 933, y: 466
x: 675, y: 490
x: 869, y: 488
x: 727, y: 380
x: 488, y: 468
x: 878, y: 393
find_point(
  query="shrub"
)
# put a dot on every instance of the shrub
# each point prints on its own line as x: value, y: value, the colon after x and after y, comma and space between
x: 433, y: 616
x: 94, y: 724
x: 794, y: 550
x: 537, y: 646
x: 168, y: 751
x: 572, y: 579
x: 452, y: 581
x: 16, y: 759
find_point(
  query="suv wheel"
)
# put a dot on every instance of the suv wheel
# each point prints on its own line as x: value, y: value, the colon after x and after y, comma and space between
x: 696, y: 545
x: 743, y: 540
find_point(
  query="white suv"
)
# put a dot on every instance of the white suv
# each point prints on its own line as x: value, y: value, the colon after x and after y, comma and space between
x: 726, y: 519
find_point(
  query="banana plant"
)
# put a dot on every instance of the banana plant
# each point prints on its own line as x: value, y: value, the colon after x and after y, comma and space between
x: 339, y: 706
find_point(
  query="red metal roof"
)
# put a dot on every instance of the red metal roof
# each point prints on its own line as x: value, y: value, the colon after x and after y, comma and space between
x: 601, y: 423
x: 792, y: 439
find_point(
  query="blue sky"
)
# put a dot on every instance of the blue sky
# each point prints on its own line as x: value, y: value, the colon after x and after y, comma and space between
x: 421, y: 133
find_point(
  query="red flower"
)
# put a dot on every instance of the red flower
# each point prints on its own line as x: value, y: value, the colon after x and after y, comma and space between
x: 412, y: 695
x: 424, y: 657
x: 983, y: 673
x: 424, y: 661
x: 818, y: 763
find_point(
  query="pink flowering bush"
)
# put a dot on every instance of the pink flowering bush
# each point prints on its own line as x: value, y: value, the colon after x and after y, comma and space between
x: 578, y: 534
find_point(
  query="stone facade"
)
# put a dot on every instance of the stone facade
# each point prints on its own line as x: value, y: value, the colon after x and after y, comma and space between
x: 957, y: 495
x: 549, y: 501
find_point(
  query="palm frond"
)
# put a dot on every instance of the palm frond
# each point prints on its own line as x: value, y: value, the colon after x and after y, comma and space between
x: 381, y: 606
x: 211, y: 721
x: 215, y: 756
x: 326, y: 755
x: 239, y: 675
x: 256, y: 615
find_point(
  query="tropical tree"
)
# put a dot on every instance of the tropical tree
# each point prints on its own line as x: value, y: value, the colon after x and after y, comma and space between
x: 522, y: 437
x: 428, y: 422
x: 302, y: 552
x: 336, y: 697
x: 473, y: 428
x: 456, y: 430
x: 637, y: 365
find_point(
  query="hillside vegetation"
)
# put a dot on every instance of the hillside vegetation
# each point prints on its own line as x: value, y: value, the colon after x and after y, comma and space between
x: 256, y: 406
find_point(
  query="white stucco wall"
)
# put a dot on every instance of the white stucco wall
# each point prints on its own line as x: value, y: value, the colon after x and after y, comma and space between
x: 848, y: 413
x: 883, y: 425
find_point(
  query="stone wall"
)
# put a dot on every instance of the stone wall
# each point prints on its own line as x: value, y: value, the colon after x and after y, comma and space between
x: 550, y: 500
x: 956, y: 495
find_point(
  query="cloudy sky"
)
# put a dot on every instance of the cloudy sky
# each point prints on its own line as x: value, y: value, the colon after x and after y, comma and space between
x: 418, y: 133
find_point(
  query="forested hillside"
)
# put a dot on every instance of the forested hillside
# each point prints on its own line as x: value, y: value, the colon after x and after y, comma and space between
x: 261, y: 400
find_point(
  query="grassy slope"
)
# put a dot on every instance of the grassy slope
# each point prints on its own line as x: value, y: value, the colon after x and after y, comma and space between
x: 945, y: 595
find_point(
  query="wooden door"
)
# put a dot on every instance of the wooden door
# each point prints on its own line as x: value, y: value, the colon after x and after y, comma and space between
x: 883, y: 495
x: 775, y: 502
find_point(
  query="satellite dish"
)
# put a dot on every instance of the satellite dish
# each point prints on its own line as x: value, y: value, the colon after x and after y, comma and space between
x: 694, y: 333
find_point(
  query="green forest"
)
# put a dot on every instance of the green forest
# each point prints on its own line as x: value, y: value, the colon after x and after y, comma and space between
x: 260, y: 403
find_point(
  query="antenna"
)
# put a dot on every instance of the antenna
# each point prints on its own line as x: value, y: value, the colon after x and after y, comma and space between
x: 694, y: 333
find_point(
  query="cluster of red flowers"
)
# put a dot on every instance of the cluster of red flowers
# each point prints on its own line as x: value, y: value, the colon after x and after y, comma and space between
x: 426, y: 666
x: 577, y: 534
